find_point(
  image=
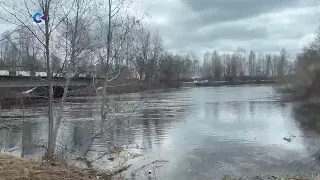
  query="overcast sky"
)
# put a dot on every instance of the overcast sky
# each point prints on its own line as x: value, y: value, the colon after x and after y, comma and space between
x: 223, y: 25
x: 264, y: 26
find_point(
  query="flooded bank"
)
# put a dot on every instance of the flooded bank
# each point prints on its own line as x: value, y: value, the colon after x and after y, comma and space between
x: 191, y: 133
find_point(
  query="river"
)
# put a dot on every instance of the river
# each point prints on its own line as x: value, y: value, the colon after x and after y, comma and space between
x: 188, y: 133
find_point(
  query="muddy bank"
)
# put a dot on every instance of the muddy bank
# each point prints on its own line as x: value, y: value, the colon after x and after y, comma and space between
x: 19, y: 97
x: 14, y: 168
x: 237, y: 83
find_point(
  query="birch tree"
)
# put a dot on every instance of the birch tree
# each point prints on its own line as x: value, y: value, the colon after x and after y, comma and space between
x: 75, y: 44
x: 252, y: 62
x: 54, y: 13
x: 216, y: 64
x: 115, y: 23
x: 143, y: 50
x: 268, y: 65
x: 282, y: 62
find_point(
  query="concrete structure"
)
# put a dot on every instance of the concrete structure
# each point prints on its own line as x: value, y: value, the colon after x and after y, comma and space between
x: 36, y: 74
x: 27, y: 81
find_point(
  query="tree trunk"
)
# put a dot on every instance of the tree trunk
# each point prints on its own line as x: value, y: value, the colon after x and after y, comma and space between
x: 50, y: 84
x: 62, y: 101
x: 23, y: 132
x: 104, y: 89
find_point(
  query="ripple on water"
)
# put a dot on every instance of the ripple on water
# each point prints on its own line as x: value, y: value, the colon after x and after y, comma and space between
x: 201, y: 132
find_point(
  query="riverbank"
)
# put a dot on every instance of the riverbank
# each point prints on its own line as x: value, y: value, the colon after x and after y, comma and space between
x: 177, y: 130
x: 271, y: 177
x: 14, y: 97
x: 15, y: 168
x: 226, y: 83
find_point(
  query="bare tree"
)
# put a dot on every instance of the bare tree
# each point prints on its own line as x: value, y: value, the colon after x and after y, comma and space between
x: 259, y: 66
x: 30, y: 50
x: 206, y: 67
x: 241, y: 61
x: 216, y: 64
x: 268, y: 65
x: 54, y: 16
x: 114, y: 26
x: 76, y: 44
x: 234, y: 69
x: 304, y: 86
x: 55, y: 63
x: 238, y: 66
x: 143, y: 50
x: 170, y: 68
x: 282, y: 62
x: 252, y: 60
x: 156, y: 49
x: 195, y: 69
x: 227, y: 66
x: 275, y: 62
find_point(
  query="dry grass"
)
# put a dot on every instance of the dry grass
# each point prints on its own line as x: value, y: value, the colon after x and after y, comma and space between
x: 14, y: 168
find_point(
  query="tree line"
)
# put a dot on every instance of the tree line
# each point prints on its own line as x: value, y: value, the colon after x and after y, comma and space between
x: 135, y: 48
x: 143, y: 55
x: 240, y: 65
x: 305, y: 84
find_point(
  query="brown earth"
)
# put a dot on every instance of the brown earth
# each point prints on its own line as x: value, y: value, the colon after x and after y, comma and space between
x: 15, y: 168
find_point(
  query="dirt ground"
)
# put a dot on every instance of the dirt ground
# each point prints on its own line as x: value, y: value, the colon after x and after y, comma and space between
x: 14, y: 168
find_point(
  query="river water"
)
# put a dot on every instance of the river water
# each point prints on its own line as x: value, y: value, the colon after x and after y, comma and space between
x: 189, y: 133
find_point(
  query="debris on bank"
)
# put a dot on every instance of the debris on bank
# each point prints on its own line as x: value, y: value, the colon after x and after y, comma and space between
x: 287, y: 139
x: 15, y: 168
x: 230, y: 177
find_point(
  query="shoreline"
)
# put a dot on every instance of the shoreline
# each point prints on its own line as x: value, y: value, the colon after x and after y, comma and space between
x: 12, y: 98
x: 238, y: 83
x: 16, y: 168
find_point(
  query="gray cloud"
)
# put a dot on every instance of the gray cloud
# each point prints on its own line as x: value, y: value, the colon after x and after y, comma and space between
x: 224, y: 25
x: 210, y: 11
x: 230, y: 31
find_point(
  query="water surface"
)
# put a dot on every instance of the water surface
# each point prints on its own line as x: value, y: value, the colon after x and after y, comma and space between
x: 190, y: 133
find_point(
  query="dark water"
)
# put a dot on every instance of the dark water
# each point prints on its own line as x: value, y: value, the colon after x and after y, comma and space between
x: 191, y: 133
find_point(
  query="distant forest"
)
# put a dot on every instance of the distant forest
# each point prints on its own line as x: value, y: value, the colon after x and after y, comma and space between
x: 144, y: 57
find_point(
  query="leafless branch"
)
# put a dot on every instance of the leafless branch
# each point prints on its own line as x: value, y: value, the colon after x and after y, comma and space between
x: 118, y: 120
x: 115, y: 76
x: 20, y: 21
x: 29, y: 13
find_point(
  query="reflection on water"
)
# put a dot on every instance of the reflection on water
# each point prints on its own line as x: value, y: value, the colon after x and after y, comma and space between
x: 201, y: 132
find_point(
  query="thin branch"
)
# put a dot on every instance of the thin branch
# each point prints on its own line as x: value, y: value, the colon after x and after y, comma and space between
x: 124, y: 84
x: 119, y: 121
x: 115, y: 76
x: 64, y: 18
x: 117, y: 8
x: 25, y: 3
x: 17, y: 18
x: 8, y: 35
